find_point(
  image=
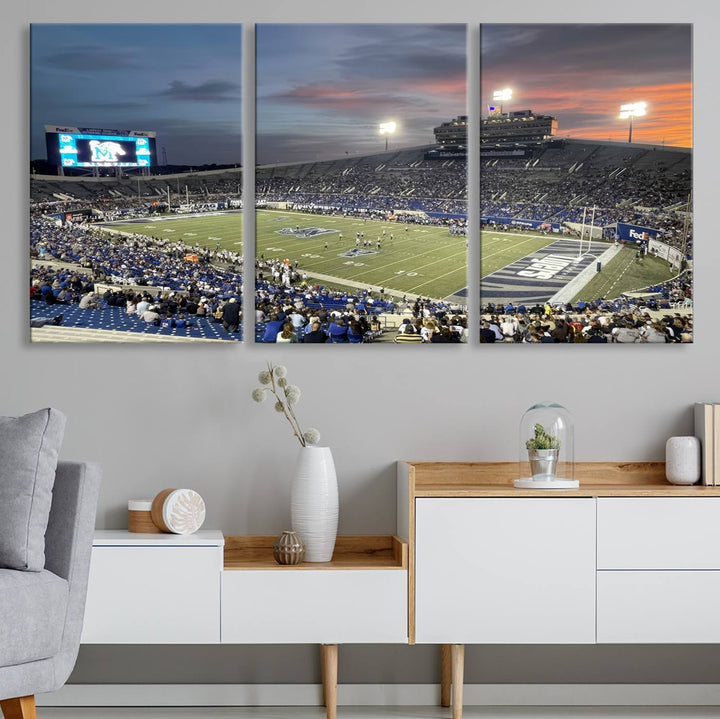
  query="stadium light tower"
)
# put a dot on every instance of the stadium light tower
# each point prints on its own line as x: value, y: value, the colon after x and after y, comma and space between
x: 501, y: 96
x: 630, y: 110
x: 387, y: 128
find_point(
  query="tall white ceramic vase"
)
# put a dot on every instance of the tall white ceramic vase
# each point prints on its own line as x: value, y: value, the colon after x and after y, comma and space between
x: 314, y: 503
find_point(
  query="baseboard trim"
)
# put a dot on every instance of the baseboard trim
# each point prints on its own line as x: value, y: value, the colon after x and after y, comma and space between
x: 250, y: 695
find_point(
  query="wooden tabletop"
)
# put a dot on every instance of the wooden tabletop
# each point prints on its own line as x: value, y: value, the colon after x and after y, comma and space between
x: 351, y: 552
x: 597, y: 479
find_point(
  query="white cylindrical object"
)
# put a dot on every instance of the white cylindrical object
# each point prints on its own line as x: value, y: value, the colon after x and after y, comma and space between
x: 682, y: 460
x: 314, y: 503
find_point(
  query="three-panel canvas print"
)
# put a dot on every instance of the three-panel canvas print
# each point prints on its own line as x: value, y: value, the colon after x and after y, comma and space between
x: 365, y: 153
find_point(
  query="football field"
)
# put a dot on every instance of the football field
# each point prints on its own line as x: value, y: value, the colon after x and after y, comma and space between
x: 212, y: 229
x: 527, y: 268
x: 421, y: 260
x: 418, y: 259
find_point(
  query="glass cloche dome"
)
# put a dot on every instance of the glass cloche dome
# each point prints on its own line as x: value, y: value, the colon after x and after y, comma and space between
x: 546, y: 448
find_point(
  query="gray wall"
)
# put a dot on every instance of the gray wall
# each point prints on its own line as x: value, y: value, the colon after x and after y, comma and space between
x: 182, y: 416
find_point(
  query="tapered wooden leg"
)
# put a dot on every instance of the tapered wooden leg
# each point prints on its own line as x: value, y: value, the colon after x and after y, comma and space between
x: 329, y: 660
x: 322, y: 673
x: 445, y: 676
x: 19, y: 708
x: 458, y: 669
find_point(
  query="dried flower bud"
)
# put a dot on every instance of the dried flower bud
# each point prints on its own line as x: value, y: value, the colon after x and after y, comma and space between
x: 259, y: 394
x: 279, y: 406
x: 293, y: 394
x: 280, y: 371
x: 282, y: 382
x: 264, y: 378
x: 311, y: 436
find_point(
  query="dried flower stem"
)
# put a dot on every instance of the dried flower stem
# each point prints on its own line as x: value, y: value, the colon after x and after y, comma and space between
x: 286, y: 408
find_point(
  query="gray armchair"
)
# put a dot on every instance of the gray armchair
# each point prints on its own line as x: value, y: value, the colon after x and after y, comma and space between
x: 41, y: 613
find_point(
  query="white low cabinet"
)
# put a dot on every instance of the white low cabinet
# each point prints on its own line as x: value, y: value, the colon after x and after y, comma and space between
x: 309, y: 606
x: 154, y: 588
x: 505, y: 570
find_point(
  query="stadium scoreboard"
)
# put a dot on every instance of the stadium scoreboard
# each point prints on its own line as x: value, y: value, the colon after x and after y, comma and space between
x: 91, y: 147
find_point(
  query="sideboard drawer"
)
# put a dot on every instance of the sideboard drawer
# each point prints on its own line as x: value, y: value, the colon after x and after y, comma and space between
x: 153, y: 595
x: 307, y: 606
x: 658, y: 532
x: 658, y: 607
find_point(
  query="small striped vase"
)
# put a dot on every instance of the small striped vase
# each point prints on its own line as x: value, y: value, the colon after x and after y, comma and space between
x: 288, y: 549
x: 314, y: 503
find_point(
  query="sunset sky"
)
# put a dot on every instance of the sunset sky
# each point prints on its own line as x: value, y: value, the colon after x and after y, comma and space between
x: 322, y: 90
x: 181, y: 80
x: 581, y: 74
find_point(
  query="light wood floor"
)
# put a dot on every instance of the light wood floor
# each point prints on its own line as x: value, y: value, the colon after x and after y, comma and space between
x: 383, y: 713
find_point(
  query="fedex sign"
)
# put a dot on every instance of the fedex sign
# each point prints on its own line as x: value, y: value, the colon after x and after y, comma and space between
x: 635, y: 233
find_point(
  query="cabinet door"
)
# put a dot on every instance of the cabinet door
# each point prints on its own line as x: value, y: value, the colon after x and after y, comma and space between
x: 286, y: 606
x: 660, y: 607
x: 149, y: 595
x: 505, y: 570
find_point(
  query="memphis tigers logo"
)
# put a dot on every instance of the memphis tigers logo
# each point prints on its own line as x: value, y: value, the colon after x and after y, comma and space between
x: 304, y: 231
x: 105, y: 151
x: 356, y: 252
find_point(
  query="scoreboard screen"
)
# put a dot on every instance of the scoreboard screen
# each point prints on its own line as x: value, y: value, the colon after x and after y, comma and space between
x: 72, y: 147
x: 103, y: 151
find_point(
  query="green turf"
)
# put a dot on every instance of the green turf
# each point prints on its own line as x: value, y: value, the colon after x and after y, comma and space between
x: 423, y: 260
x: 207, y: 230
x: 624, y: 273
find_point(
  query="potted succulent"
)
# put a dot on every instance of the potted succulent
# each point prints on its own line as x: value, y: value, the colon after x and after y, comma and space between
x: 543, y: 451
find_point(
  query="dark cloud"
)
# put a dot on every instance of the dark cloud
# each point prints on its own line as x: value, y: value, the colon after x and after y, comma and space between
x: 338, y: 97
x: 90, y: 58
x: 208, y: 91
x: 596, y: 49
x: 380, y: 61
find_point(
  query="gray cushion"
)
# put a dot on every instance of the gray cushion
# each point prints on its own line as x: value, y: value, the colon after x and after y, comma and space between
x: 29, y: 447
x: 32, y: 615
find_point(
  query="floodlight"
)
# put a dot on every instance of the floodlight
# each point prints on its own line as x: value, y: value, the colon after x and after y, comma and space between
x: 633, y: 109
x: 630, y: 110
x: 387, y: 128
x: 502, y: 95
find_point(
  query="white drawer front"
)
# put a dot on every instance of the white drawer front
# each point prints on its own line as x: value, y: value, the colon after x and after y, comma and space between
x: 658, y: 607
x: 658, y: 532
x: 496, y: 571
x: 314, y: 606
x: 153, y: 595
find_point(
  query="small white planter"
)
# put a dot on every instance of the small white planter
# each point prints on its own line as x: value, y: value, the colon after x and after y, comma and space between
x: 314, y: 503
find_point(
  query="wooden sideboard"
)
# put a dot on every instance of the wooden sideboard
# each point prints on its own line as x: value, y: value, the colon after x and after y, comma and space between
x: 625, y: 558
x: 622, y: 559
x: 205, y: 588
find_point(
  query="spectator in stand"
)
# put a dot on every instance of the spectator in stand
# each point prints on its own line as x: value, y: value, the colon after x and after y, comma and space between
x: 89, y: 301
x: 316, y: 335
x: 486, y: 334
x: 151, y: 315
x: 273, y: 328
x: 287, y: 334
x: 338, y: 331
x: 408, y: 335
x: 231, y: 315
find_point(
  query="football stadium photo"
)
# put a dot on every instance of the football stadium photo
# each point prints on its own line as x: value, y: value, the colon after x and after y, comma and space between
x: 361, y: 211
x: 586, y: 199
x: 136, y: 183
